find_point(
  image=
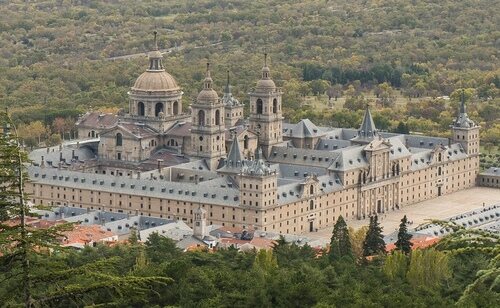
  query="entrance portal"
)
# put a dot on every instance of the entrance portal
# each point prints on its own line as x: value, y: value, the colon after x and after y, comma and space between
x: 379, y: 206
x: 311, y: 226
x: 439, y: 190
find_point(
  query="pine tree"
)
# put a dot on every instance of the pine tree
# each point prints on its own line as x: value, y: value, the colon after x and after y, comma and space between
x: 403, y: 243
x: 25, y: 262
x: 340, y: 243
x: 374, y: 241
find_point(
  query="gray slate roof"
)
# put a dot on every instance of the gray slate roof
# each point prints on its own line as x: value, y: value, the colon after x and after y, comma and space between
x: 207, y: 193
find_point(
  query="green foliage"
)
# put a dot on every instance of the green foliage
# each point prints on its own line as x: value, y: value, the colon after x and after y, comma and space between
x: 428, y: 268
x: 340, y: 243
x: 374, y: 241
x: 396, y: 265
x: 404, y: 243
x: 265, y: 260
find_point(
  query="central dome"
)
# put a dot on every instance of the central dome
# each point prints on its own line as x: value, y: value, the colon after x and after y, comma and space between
x: 159, y: 81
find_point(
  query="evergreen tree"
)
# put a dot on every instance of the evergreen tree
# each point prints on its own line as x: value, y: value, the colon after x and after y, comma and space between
x: 340, y: 243
x: 403, y: 243
x: 374, y: 241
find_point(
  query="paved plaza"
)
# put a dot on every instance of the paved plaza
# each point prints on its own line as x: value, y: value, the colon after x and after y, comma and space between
x: 438, y: 208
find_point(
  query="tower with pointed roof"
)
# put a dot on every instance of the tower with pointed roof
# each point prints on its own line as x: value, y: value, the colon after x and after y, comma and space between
x: 232, y: 107
x: 266, y: 116
x: 367, y: 131
x: 207, y: 130
x: 235, y: 159
x: 465, y: 131
x: 155, y: 97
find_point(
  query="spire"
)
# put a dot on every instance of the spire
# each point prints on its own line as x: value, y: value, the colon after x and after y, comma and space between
x: 227, y: 89
x: 208, y: 79
x: 266, y: 72
x: 463, y: 108
x: 155, y: 56
x: 367, y: 131
x: 463, y: 120
x: 155, y: 33
x: 234, y: 158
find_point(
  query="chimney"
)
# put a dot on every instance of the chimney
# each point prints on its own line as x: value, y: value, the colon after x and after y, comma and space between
x: 159, y: 165
x: 78, y: 144
x: 72, y: 154
x: 48, y: 150
x: 42, y: 163
x: 138, y: 174
x: 60, y: 156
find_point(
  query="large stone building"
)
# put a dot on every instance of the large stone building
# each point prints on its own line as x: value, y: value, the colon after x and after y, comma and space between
x: 258, y: 172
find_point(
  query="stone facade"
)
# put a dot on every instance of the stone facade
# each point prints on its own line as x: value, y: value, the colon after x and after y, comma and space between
x: 260, y: 173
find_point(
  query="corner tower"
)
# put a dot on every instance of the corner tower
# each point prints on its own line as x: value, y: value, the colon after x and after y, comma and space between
x: 465, y: 131
x: 207, y: 130
x: 265, y: 110
x: 258, y: 187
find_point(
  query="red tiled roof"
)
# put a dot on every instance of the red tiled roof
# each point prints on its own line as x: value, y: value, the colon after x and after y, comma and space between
x: 261, y: 242
x: 85, y: 234
x: 418, y: 243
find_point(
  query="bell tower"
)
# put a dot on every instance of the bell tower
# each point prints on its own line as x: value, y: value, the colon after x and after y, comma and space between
x: 207, y: 130
x: 465, y: 131
x: 265, y: 111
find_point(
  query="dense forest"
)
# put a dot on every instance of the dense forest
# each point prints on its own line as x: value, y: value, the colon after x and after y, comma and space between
x: 56, y: 57
x: 156, y: 274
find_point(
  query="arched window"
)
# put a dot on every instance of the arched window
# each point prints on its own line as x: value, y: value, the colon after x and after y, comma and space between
x: 92, y: 134
x: 311, y: 190
x: 275, y: 106
x: 260, y: 106
x: 245, y: 142
x: 201, y: 118
x: 439, y: 157
x: 119, y: 140
x: 175, y: 107
x: 217, y: 117
x: 140, y: 109
x: 311, y: 205
x: 158, y: 109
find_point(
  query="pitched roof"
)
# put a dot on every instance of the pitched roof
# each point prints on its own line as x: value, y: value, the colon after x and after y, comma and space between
x: 304, y: 129
x: 367, y: 131
x: 97, y: 120
x: 84, y: 235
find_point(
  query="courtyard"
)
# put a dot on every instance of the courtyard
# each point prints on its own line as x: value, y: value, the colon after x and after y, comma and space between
x: 438, y: 208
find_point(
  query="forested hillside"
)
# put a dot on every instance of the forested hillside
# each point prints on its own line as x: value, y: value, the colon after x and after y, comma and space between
x: 54, y: 55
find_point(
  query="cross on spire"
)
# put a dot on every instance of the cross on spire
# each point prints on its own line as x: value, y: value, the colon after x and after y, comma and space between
x: 155, y: 33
